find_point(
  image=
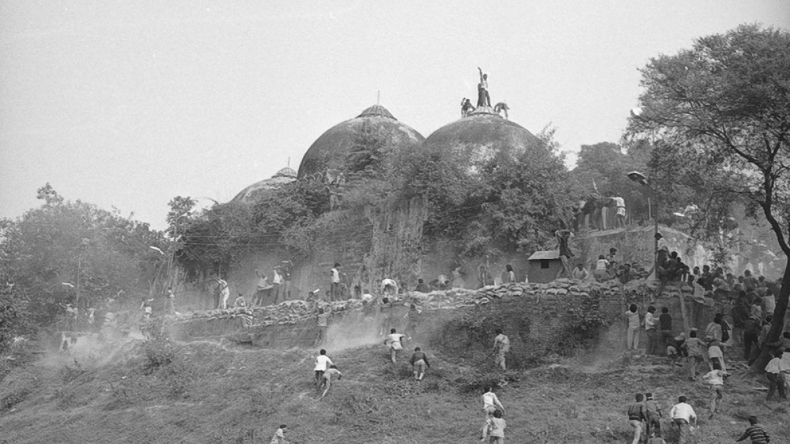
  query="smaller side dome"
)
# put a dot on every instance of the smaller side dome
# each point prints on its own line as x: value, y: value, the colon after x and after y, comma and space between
x: 286, y: 172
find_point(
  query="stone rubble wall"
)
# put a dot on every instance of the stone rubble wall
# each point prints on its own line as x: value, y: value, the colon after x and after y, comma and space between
x: 550, y: 308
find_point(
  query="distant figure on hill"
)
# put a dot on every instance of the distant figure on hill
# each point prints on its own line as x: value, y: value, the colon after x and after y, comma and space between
x: 777, y: 371
x: 331, y: 372
x: 681, y: 415
x: 389, y: 287
x: 262, y: 290
x: 508, y: 276
x: 619, y: 203
x: 495, y: 428
x: 755, y: 432
x: 413, y: 322
x: 601, y: 269
x: 580, y: 273
x: 277, y: 281
x: 564, y: 238
x: 239, y: 302
x: 322, y: 362
x: 171, y: 297
x: 146, y: 308
x: 395, y: 343
x: 501, y: 346
x: 636, y: 414
x: 322, y: 320
x: 286, y: 267
x: 665, y: 323
x: 419, y: 363
x: 334, y: 281
x: 279, y: 435
x: 422, y: 287
x: 491, y: 403
x: 650, y: 331
x: 695, y: 348
x: 384, y: 315
x: 652, y: 416
x: 632, y: 332
x: 716, y: 380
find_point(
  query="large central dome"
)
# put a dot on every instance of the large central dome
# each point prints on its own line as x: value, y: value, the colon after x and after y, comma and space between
x: 483, y: 133
x: 329, y: 152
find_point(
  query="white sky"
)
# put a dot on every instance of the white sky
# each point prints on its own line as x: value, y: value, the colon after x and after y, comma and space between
x: 129, y: 104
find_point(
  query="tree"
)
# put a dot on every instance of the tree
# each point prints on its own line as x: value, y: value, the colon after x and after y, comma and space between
x: 73, y: 252
x: 726, y: 104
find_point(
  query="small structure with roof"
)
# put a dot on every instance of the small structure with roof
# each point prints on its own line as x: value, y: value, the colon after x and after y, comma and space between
x: 544, y: 266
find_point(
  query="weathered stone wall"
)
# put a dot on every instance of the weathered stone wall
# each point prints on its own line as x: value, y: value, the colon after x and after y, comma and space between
x: 534, y: 315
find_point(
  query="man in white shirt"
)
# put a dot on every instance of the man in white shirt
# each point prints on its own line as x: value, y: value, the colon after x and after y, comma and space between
x: 682, y: 414
x: 279, y: 436
x: 389, y: 287
x: 776, y: 371
x: 334, y: 277
x: 501, y: 346
x: 277, y: 280
x: 322, y: 362
x: 224, y: 293
x: 491, y: 402
x: 395, y: 342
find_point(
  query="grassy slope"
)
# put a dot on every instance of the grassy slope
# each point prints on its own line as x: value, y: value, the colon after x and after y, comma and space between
x: 238, y: 394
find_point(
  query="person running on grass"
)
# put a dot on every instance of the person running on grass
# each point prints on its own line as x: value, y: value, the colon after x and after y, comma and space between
x: 501, y: 346
x: 491, y: 402
x: 279, y: 435
x: 755, y: 432
x: 716, y: 380
x: 496, y: 428
x: 636, y: 414
x: 322, y: 361
x: 395, y: 342
x: 330, y: 373
x: 419, y: 363
x: 681, y: 415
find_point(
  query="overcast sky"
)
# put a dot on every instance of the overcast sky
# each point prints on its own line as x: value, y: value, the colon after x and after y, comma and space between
x: 129, y: 104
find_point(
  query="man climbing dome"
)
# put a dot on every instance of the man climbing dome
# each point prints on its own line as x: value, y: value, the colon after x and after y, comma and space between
x: 501, y: 346
x: 466, y: 107
x: 419, y: 363
x: 395, y: 343
x: 330, y: 373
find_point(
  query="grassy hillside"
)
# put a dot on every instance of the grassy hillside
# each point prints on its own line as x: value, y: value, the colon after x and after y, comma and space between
x: 208, y: 392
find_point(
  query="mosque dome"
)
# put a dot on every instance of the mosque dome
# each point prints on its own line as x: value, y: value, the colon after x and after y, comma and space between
x: 329, y: 151
x: 250, y: 194
x: 481, y: 134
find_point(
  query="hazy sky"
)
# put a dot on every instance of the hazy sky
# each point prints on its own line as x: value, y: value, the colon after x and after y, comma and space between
x: 129, y: 104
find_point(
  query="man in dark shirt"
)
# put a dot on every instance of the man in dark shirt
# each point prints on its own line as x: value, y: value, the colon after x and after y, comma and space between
x: 755, y: 432
x: 653, y: 415
x: 422, y: 287
x: 665, y: 325
x: 563, y: 242
x: 419, y: 363
x: 636, y: 414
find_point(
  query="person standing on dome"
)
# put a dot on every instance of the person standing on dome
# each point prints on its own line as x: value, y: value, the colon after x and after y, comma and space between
x: 483, y: 99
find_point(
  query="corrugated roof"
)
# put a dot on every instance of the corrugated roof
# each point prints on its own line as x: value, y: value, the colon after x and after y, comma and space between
x: 539, y: 255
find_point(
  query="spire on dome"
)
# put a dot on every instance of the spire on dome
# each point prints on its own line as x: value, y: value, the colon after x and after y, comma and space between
x: 377, y: 111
